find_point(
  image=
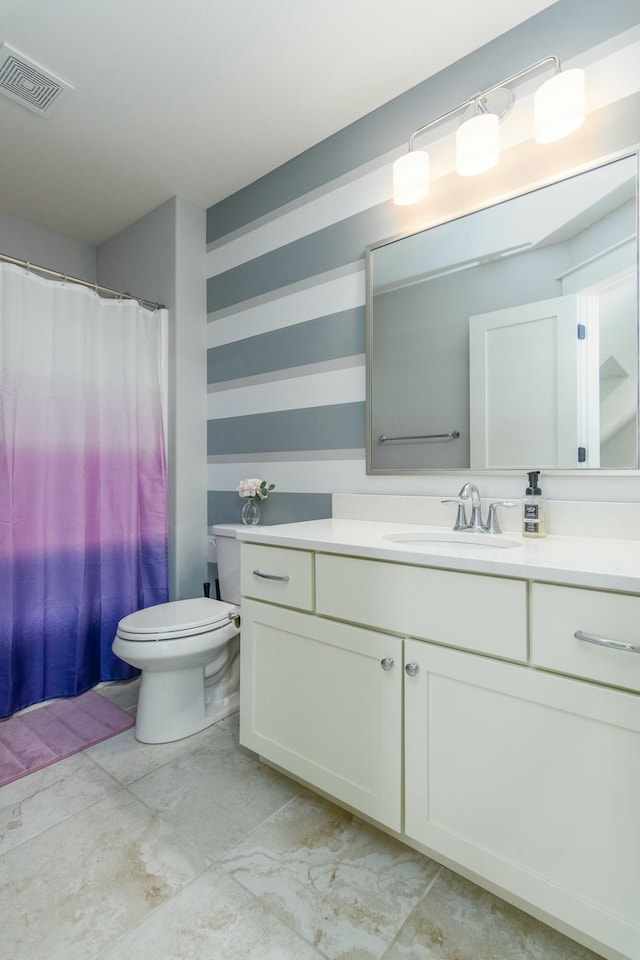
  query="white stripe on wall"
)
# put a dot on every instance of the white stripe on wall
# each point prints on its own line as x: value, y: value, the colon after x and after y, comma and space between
x: 296, y: 476
x: 329, y: 293
x: 289, y: 373
x: 311, y: 390
x: 614, y: 77
x: 345, y: 476
x: 607, y: 79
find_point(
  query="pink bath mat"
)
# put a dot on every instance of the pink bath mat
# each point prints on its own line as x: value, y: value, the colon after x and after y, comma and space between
x: 32, y: 740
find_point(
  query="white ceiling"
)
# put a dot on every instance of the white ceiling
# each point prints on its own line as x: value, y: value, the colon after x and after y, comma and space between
x: 201, y: 97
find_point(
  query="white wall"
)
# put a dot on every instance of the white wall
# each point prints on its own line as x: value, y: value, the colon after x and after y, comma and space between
x: 188, y: 359
x: 161, y: 257
x: 27, y: 241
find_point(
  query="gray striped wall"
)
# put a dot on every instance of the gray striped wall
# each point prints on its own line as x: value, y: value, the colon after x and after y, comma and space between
x: 286, y: 317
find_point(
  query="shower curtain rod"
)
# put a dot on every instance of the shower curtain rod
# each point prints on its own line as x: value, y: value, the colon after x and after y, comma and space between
x: 84, y: 283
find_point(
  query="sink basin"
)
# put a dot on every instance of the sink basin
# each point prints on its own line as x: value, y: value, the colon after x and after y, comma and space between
x: 456, y: 538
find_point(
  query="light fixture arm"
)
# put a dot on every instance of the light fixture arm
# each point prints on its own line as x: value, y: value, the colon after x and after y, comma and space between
x: 480, y: 97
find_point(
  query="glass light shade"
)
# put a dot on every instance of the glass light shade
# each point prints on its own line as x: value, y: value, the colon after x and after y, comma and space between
x: 411, y: 177
x: 559, y: 106
x: 477, y: 144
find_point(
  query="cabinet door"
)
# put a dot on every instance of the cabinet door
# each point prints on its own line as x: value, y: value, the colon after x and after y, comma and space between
x: 315, y: 700
x: 532, y: 782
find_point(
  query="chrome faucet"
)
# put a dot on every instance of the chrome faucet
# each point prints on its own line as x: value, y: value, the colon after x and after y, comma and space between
x: 471, y: 492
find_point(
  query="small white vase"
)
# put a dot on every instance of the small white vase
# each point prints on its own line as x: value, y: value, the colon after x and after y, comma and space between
x: 250, y: 512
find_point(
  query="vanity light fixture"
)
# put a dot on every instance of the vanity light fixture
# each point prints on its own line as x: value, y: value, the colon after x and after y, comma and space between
x: 559, y: 109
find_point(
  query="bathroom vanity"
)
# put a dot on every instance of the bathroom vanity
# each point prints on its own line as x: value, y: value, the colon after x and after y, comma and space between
x: 480, y: 702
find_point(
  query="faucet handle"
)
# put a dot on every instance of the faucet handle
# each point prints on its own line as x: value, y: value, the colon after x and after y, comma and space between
x: 461, y: 517
x: 493, y: 521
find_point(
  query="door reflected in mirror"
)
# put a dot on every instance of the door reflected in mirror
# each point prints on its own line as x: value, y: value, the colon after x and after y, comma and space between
x: 508, y: 338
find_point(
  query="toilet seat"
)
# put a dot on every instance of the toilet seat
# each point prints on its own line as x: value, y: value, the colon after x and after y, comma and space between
x: 179, y: 618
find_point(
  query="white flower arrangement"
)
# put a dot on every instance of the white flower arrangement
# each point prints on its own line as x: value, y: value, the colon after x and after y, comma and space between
x: 255, y: 489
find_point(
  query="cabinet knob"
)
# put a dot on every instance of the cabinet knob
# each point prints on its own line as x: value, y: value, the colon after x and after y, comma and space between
x: 411, y: 669
x: 386, y: 663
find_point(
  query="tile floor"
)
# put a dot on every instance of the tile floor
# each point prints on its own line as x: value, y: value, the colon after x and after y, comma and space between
x: 197, y: 851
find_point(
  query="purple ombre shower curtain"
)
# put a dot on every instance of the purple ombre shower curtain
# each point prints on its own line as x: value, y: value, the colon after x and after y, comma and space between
x: 83, y: 493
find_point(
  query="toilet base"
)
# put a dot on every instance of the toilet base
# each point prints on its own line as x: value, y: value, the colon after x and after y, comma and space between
x: 220, y: 709
x: 171, y: 705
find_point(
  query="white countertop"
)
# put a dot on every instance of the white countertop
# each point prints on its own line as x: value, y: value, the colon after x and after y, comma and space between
x: 579, y: 561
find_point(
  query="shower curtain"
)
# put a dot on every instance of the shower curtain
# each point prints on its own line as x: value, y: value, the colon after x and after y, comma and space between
x: 83, y: 497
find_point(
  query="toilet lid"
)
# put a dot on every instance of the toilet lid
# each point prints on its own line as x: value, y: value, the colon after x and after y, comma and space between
x: 180, y: 618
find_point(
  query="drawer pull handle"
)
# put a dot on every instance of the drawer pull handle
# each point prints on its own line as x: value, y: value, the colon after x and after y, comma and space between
x: 387, y: 663
x: 604, y: 642
x: 270, y: 576
x: 411, y: 669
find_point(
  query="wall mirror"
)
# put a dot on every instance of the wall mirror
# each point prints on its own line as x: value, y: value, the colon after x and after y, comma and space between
x: 507, y: 338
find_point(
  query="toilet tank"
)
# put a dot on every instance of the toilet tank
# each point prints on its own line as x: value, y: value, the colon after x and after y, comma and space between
x: 228, y: 560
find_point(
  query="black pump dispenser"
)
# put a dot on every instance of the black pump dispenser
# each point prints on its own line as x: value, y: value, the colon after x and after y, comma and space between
x: 533, y: 508
x: 533, y: 490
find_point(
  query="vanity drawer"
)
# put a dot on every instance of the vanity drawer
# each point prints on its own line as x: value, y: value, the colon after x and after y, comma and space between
x: 558, y: 612
x: 278, y: 575
x: 465, y: 610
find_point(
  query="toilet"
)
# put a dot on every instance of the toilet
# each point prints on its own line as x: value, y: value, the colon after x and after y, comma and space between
x: 188, y: 652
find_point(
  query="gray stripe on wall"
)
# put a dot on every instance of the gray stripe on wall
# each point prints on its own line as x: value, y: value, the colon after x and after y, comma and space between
x: 286, y: 456
x: 289, y: 373
x: 307, y: 284
x: 564, y: 29
x: 334, y: 427
x: 224, y: 506
x: 325, y: 338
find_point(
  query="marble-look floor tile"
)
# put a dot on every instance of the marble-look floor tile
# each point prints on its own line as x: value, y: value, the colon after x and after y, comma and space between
x: 216, y: 794
x: 124, y: 693
x: 233, y: 723
x: 458, y: 919
x: 38, y: 801
x: 92, y: 872
x: 214, y: 918
x: 77, y: 887
x: 126, y: 759
x: 341, y: 884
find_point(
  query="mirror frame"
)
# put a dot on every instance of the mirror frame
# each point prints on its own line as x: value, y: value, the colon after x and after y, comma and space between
x: 493, y: 202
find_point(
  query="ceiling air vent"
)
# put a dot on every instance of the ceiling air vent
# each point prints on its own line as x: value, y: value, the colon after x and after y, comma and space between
x: 28, y: 83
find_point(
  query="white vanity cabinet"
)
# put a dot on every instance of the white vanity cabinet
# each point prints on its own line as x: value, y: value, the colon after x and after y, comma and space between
x: 496, y: 740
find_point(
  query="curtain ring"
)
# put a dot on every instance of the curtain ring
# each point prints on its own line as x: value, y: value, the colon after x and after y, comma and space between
x: 28, y: 268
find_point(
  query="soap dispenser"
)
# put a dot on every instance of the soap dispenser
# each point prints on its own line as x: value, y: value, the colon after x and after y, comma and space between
x: 533, y: 508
